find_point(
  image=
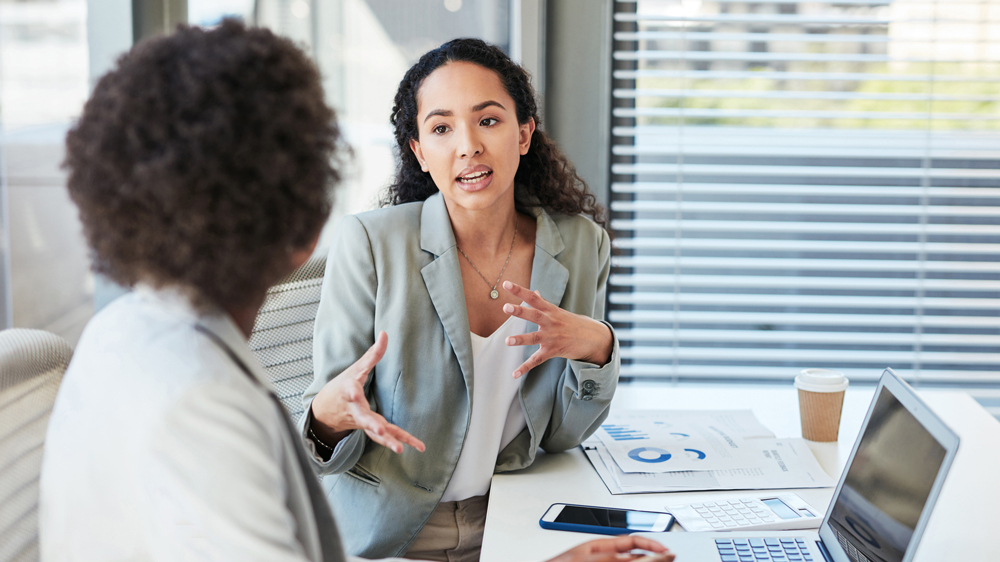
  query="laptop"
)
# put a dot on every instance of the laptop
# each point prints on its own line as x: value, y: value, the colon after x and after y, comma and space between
x: 880, y: 506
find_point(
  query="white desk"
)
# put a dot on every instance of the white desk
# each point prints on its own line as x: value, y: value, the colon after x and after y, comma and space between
x: 518, y: 500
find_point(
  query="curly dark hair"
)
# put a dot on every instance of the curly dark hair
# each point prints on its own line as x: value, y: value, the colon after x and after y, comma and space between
x: 545, y: 177
x: 202, y: 161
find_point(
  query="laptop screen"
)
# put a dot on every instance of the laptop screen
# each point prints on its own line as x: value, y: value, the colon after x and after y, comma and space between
x: 887, y: 484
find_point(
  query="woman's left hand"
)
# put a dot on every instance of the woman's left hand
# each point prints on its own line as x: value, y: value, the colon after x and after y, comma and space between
x: 560, y: 332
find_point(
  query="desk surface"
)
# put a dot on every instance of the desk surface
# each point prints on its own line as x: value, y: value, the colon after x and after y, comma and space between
x: 518, y: 499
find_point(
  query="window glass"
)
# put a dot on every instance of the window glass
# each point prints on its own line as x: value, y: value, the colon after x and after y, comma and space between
x: 43, y: 85
x: 807, y: 184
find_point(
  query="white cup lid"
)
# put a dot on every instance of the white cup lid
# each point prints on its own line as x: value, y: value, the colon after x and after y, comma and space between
x: 821, y: 380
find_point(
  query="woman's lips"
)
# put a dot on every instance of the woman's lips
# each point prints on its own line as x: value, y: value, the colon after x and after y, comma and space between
x: 476, y: 179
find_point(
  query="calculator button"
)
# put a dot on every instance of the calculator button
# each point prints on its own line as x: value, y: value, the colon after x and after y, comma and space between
x: 801, y: 542
x: 717, y: 525
x: 754, y: 520
x: 723, y: 541
x: 746, y: 558
x: 697, y: 505
x: 730, y: 558
x: 709, y: 504
x: 730, y: 523
x: 767, y: 518
x: 740, y: 542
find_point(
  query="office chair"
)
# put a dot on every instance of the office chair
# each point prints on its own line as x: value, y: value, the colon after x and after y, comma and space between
x: 32, y: 363
x: 283, y: 333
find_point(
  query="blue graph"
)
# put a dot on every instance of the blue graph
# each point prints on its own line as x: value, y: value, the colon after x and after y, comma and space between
x: 661, y: 455
x: 623, y: 432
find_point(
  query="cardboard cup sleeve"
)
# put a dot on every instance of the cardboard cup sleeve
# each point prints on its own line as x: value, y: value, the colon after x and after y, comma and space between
x: 820, y: 414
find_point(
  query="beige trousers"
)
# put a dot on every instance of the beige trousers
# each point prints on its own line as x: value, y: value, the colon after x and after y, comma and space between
x: 454, y: 532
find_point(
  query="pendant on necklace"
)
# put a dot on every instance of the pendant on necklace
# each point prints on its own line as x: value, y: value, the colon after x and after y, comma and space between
x: 494, y: 294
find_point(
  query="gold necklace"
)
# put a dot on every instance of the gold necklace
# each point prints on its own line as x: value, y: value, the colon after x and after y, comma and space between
x: 493, y: 288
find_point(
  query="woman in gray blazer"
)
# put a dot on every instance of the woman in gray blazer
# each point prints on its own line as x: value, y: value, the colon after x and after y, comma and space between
x: 488, y: 272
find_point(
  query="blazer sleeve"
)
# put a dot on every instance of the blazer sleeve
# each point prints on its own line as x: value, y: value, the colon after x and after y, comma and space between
x: 584, y: 392
x: 344, y: 330
x: 216, y: 487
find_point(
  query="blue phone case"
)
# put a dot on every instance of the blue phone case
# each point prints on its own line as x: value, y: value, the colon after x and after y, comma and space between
x: 593, y: 529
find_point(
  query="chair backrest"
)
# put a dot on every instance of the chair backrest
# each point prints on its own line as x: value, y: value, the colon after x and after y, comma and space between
x: 283, y: 334
x: 32, y: 363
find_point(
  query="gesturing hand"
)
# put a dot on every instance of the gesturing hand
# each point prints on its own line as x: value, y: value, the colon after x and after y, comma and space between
x: 616, y: 550
x: 560, y: 332
x: 341, y: 406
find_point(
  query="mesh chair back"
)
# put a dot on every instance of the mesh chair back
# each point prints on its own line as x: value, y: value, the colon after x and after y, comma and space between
x: 283, y: 334
x: 32, y: 363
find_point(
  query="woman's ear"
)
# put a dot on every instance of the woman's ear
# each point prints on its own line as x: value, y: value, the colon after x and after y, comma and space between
x: 524, y: 136
x: 415, y: 147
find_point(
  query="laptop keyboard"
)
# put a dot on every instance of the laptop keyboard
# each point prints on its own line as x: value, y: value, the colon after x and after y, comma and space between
x: 753, y: 550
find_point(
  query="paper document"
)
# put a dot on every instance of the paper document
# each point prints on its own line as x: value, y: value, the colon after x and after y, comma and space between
x: 658, y: 424
x: 657, y: 441
x: 765, y: 462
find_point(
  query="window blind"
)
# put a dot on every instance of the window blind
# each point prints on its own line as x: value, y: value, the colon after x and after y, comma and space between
x: 807, y: 184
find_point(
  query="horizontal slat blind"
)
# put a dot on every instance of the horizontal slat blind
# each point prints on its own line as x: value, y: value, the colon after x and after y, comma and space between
x: 807, y: 184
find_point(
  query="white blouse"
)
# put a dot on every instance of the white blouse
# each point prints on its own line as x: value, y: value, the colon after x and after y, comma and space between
x: 497, y: 417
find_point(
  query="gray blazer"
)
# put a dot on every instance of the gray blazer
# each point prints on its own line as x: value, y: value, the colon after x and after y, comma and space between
x: 162, y: 447
x: 396, y: 269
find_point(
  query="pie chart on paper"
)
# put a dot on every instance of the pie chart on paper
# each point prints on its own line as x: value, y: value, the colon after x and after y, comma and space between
x: 649, y: 455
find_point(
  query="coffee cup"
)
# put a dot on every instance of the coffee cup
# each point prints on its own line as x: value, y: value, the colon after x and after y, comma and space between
x: 821, y: 399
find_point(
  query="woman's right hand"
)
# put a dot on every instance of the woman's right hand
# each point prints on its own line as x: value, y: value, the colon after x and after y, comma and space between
x: 618, y: 549
x: 341, y: 406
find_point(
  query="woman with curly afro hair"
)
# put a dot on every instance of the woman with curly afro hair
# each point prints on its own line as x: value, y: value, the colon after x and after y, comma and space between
x: 487, y: 269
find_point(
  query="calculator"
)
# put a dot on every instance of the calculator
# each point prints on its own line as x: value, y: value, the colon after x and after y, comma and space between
x: 748, y: 513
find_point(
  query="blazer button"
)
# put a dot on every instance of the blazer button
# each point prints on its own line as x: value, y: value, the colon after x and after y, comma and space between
x: 589, y: 386
x: 587, y: 397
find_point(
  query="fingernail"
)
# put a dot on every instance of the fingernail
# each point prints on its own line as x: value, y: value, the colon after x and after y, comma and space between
x: 508, y: 308
x: 510, y: 341
x: 517, y: 374
x: 508, y: 285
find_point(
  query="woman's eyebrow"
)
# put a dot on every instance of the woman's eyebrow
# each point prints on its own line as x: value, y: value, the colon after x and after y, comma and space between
x: 486, y: 104
x: 441, y: 112
x: 478, y: 107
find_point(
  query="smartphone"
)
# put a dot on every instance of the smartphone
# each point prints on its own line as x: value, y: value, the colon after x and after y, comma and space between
x: 604, y: 520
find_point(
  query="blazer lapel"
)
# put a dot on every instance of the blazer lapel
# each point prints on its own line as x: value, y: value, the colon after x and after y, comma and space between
x: 223, y: 327
x: 548, y: 276
x: 443, y: 278
x: 226, y: 335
